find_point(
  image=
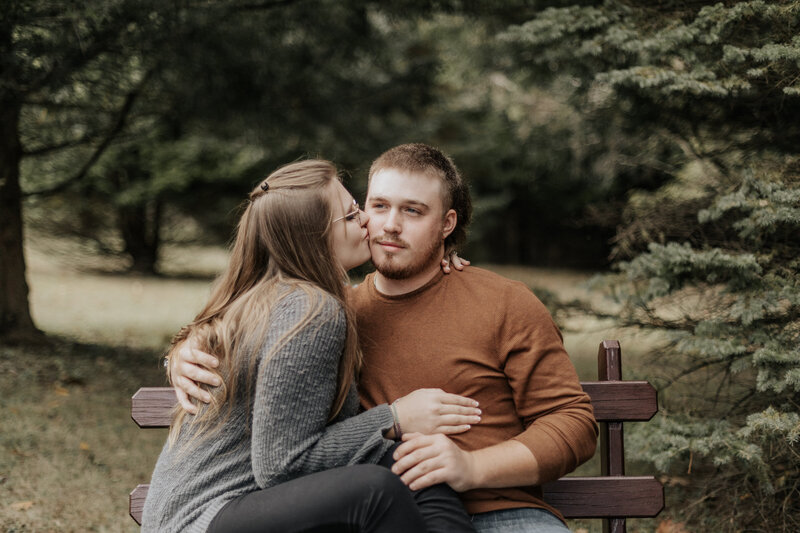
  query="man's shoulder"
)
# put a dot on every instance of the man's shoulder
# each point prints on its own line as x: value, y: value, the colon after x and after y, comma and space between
x: 513, y: 296
x: 481, y: 277
x: 360, y: 289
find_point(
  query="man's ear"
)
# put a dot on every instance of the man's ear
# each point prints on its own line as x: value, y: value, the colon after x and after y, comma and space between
x: 449, y: 224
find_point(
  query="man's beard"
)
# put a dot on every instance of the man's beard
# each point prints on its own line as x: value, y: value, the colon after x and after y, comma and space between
x: 388, y: 266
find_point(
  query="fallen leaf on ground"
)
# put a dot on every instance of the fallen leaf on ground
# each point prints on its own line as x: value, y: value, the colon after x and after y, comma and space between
x: 20, y: 453
x: 22, y: 506
x: 61, y: 391
x: 668, y: 526
x: 85, y: 446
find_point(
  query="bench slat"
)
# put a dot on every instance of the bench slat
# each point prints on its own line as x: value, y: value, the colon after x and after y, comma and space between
x: 615, y: 401
x: 151, y: 407
x: 136, y: 502
x: 606, y: 496
x: 575, y: 497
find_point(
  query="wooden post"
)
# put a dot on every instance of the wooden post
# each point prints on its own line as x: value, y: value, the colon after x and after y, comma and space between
x: 612, y: 448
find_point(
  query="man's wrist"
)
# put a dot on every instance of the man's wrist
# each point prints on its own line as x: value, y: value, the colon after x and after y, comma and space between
x: 475, y: 474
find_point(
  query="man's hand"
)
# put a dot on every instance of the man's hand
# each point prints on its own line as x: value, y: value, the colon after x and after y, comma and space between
x: 425, y: 460
x: 188, y: 367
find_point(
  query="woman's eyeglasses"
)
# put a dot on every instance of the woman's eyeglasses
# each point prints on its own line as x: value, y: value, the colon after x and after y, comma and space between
x: 355, y: 214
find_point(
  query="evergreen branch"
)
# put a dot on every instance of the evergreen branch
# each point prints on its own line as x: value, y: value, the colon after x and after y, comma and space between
x: 117, y: 128
x: 707, y: 363
x: 577, y: 307
x: 254, y: 6
x: 725, y: 378
x: 56, y: 147
x: 738, y: 403
x: 61, y: 105
x: 264, y: 5
x: 73, y: 60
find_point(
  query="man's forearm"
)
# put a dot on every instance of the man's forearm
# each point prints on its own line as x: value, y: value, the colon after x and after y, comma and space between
x: 507, y: 464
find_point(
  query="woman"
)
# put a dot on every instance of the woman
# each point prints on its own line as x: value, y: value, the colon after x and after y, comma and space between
x: 269, y: 452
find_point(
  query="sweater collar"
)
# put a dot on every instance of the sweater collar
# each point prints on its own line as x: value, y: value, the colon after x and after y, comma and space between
x: 374, y: 292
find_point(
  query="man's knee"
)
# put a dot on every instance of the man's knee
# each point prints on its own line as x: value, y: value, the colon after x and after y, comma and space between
x: 522, y: 520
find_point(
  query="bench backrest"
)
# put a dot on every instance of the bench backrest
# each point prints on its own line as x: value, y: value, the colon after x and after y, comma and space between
x: 611, y: 496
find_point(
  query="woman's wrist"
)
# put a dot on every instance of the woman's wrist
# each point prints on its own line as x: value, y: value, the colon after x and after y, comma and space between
x: 398, y: 432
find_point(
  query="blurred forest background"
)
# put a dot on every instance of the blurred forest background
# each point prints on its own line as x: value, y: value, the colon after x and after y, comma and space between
x: 654, y: 144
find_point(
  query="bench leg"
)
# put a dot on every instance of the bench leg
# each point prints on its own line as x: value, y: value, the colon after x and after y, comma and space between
x: 612, y: 447
x: 614, y: 525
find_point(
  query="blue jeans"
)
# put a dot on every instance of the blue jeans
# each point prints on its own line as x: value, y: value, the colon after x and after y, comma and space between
x: 524, y: 520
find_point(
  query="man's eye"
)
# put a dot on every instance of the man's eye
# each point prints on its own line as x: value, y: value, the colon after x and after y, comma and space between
x: 412, y: 211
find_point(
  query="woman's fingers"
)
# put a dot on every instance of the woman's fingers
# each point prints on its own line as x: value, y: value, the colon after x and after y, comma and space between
x: 458, y: 262
x: 446, y: 409
x: 184, y: 401
x: 455, y: 399
x: 458, y: 420
x: 189, y: 353
x: 189, y: 387
x: 452, y: 430
x: 198, y: 374
x: 445, y: 266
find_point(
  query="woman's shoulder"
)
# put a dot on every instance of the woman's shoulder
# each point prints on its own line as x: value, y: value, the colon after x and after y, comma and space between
x: 307, y: 300
x: 304, y: 319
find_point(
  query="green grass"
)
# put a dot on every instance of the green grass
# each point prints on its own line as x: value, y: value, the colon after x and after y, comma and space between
x: 69, y: 452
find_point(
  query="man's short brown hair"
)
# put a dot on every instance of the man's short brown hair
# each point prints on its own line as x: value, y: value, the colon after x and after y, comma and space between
x: 424, y: 159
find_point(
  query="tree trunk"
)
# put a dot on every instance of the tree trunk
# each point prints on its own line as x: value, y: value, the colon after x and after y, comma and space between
x: 15, y: 317
x: 140, y: 227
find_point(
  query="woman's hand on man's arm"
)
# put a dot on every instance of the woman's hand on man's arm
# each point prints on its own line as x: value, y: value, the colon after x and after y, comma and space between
x: 187, y: 367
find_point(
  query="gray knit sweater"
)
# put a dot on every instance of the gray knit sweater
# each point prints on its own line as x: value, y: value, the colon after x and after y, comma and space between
x: 288, y: 435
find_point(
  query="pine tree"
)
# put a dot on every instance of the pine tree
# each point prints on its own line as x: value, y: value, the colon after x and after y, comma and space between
x: 708, y: 97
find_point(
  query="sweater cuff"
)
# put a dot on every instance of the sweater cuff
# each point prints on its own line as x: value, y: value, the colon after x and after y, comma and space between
x: 383, y: 417
x: 548, y: 451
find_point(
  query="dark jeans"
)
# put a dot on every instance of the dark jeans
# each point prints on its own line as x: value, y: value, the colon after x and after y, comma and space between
x: 352, y: 499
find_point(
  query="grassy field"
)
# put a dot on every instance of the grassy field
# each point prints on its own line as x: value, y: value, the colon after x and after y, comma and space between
x: 69, y: 452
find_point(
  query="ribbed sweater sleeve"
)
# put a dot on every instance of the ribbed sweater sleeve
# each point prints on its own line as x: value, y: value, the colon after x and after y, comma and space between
x: 295, y: 390
x: 560, y: 428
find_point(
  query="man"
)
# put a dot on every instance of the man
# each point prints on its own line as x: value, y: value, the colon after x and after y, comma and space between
x: 472, y: 333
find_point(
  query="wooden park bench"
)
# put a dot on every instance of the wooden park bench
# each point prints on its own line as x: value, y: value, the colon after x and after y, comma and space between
x: 612, y: 496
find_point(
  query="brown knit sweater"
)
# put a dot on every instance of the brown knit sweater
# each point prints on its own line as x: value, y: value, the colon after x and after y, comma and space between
x: 483, y: 336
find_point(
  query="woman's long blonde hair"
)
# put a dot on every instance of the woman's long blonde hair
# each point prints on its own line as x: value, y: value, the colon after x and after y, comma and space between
x: 282, y: 242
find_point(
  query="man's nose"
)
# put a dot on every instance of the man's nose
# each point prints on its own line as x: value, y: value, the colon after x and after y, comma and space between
x: 392, y: 222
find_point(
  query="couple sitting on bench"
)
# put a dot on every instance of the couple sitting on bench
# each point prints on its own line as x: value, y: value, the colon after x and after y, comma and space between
x: 278, y: 439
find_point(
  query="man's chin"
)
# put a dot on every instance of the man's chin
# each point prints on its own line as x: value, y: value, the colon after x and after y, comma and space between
x: 390, y: 269
x: 394, y: 270
x: 408, y: 265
